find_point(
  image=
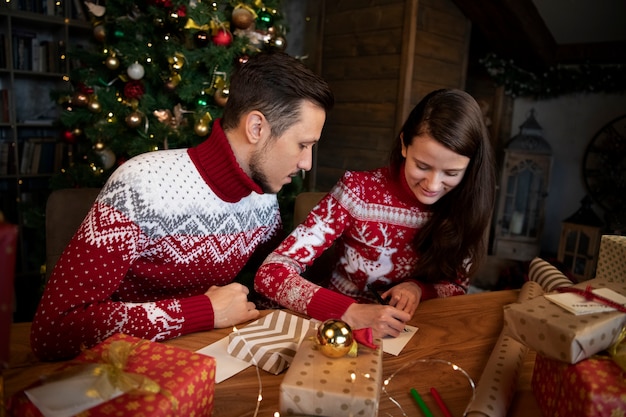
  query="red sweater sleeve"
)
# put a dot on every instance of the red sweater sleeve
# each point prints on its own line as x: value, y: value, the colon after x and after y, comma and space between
x: 279, y: 278
x: 78, y: 307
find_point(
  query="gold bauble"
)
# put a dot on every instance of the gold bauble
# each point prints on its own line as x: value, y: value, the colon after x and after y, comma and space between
x: 134, y: 119
x: 334, y: 338
x: 221, y: 96
x: 201, y: 128
x: 112, y: 62
x: 242, y: 18
x: 99, y: 33
x: 94, y: 106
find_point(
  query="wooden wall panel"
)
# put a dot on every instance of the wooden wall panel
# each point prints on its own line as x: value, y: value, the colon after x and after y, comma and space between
x: 381, y: 57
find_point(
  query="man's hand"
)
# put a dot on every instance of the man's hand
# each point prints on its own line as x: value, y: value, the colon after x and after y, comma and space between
x: 231, y: 305
x: 383, y: 320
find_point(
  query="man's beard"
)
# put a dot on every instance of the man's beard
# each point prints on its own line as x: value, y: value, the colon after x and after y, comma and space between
x: 257, y: 174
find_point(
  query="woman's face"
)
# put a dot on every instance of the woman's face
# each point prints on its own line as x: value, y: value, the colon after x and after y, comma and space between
x: 431, y: 169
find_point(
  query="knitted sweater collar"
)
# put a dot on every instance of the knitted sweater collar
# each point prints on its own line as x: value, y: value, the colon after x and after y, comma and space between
x: 216, y: 163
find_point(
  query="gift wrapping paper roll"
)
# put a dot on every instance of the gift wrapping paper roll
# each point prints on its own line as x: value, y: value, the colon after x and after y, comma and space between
x: 496, y: 386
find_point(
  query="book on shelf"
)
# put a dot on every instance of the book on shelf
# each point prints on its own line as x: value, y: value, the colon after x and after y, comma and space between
x: 41, y: 156
x: 3, y: 51
x: 4, y: 106
x: 23, y: 49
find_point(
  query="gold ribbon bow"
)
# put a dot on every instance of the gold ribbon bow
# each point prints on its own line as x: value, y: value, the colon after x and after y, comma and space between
x: 113, y: 374
x: 617, y: 350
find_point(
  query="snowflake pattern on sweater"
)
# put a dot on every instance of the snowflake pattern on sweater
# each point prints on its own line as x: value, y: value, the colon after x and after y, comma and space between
x: 372, y: 221
x: 155, y: 240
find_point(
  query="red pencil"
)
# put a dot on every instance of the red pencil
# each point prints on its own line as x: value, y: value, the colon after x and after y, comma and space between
x: 440, y: 402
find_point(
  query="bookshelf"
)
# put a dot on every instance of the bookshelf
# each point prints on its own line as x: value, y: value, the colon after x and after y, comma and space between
x: 35, y: 36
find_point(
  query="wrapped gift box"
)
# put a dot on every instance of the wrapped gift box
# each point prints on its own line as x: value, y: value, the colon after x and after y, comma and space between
x: 185, y: 384
x: 612, y: 259
x: 318, y: 385
x: 270, y: 342
x: 558, y: 334
x: 594, y: 387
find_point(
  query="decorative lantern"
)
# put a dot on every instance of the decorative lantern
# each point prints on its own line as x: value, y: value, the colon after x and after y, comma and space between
x: 580, y: 241
x: 523, y: 189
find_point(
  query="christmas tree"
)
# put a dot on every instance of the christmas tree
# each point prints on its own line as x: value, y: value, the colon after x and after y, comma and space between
x: 156, y: 77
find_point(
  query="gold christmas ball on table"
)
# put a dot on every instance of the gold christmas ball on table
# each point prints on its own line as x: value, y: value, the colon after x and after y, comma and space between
x: 334, y: 338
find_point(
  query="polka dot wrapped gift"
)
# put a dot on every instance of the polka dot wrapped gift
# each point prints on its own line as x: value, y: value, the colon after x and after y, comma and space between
x: 558, y: 334
x: 316, y: 384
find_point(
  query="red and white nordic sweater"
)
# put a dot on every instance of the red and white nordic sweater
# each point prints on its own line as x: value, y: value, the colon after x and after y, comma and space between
x: 372, y: 220
x: 165, y: 227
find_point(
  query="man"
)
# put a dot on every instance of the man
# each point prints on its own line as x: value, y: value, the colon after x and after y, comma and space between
x: 158, y: 252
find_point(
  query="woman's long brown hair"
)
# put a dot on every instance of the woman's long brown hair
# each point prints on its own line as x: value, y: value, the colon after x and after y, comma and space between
x: 454, y: 242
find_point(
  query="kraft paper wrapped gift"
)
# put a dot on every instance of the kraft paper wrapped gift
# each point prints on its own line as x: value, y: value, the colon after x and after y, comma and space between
x: 270, y: 342
x: 558, y: 334
x: 318, y: 385
x: 173, y: 382
x: 612, y: 259
x: 594, y: 387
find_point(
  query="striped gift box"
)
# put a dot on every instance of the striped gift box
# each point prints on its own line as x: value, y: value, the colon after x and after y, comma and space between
x: 270, y: 342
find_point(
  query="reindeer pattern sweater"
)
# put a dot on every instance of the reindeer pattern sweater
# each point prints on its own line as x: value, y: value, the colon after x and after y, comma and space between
x: 165, y: 227
x: 372, y: 220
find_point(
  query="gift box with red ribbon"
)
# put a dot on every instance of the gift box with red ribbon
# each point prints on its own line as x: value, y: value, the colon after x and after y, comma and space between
x: 594, y: 387
x: 124, y: 376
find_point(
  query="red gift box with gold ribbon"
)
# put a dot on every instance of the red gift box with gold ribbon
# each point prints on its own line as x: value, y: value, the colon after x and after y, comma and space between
x: 133, y: 377
x: 594, y: 387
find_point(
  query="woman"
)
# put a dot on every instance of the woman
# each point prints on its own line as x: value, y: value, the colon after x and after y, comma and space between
x: 415, y: 230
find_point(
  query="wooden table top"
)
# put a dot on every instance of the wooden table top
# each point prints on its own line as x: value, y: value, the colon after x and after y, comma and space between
x: 462, y: 330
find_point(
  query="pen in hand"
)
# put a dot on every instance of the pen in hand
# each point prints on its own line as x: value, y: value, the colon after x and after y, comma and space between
x: 380, y: 299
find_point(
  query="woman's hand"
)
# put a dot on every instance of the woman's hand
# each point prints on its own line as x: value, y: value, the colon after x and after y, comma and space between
x: 231, y: 305
x: 405, y: 296
x: 384, y: 320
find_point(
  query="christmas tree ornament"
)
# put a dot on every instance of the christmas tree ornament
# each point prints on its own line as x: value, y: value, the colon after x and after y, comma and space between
x: 278, y: 42
x: 77, y: 132
x: 134, y: 119
x: 69, y: 137
x: 222, y: 38
x: 201, y: 38
x: 243, y: 17
x: 242, y: 59
x: 334, y: 338
x: 112, y: 62
x: 80, y: 99
x: 201, y: 128
x: 95, y: 9
x: 135, y: 71
x: 221, y: 96
x: 134, y: 90
x: 94, y: 105
x: 99, y: 33
x: 264, y: 19
x: 107, y: 157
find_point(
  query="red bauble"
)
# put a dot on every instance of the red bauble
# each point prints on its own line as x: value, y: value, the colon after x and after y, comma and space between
x: 69, y: 136
x: 134, y: 89
x: 222, y: 38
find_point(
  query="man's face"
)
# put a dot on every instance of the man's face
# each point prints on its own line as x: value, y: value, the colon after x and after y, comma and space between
x: 279, y: 159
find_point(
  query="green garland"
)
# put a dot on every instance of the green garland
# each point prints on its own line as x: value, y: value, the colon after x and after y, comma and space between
x: 557, y: 80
